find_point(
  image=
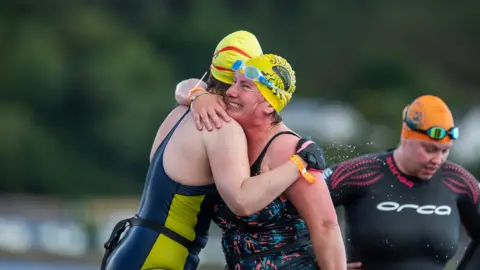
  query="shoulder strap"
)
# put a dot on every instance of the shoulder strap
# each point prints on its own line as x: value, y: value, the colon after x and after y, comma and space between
x: 167, y: 138
x: 170, y: 133
x: 255, y: 168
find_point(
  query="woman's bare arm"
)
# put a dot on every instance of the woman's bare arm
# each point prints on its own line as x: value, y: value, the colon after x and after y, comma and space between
x: 208, y: 109
x: 315, y: 206
x: 228, y: 158
x: 183, y: 88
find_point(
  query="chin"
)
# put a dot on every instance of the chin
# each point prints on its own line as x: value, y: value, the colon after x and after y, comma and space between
x: 426, y: 176
x: 235, y: 115
x: 231, y: 112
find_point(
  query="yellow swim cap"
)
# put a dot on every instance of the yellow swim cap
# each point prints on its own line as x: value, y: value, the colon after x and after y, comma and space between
x: 277, y: 70
x: 239, y: 45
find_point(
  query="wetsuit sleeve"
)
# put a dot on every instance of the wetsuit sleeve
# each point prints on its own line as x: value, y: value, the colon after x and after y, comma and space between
x: 337, y: 182
x: 469, y: 208
x: 338, y: 193
x: 350, y: 180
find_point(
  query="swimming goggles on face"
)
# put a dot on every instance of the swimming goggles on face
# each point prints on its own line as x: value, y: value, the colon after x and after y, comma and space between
x: 254, y: 74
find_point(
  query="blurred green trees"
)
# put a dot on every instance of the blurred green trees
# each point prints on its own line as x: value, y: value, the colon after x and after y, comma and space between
x: 84, y: 85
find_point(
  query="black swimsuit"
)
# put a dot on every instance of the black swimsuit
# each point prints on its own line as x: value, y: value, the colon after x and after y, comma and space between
x: 276, y: 237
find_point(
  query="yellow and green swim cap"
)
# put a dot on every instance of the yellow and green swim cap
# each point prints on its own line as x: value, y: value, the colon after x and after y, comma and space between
x: 239, y: 45
x: 280, y: 75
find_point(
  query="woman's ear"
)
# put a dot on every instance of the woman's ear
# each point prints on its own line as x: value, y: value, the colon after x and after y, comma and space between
x: 269, y: 109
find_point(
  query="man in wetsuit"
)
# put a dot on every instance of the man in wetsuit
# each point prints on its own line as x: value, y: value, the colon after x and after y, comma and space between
x: 187, y: 167
x: 405, y: 207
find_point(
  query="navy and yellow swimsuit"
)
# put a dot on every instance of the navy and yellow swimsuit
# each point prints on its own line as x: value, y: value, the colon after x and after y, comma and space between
x: 171, y: 226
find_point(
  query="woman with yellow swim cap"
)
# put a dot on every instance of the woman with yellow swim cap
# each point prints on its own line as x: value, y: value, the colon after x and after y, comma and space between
x: 278, y: 236
x: 188, y: 169
x: 405, y: 207
x: 238, y: 45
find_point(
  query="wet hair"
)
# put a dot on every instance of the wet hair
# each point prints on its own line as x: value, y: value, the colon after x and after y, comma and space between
x: 276, y: 118
x: 217, y: 87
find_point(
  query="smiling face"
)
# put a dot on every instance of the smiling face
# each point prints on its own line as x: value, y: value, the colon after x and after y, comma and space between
x: 244, y: 101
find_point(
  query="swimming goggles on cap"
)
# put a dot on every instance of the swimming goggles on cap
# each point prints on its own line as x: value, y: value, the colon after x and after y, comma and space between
x: 436, y: 133
x: 254, y: 74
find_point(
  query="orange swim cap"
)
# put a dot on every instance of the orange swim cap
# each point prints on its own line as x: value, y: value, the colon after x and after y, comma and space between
x: 426, y: 112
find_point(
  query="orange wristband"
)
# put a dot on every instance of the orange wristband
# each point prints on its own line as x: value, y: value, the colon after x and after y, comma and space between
x: 193, y: 91
x: 303, y: 171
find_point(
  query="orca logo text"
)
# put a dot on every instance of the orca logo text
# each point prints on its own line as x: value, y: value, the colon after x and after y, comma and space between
x: 442, y: 210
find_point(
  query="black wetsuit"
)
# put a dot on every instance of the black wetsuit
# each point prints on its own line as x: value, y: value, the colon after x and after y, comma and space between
x: 398, y: 222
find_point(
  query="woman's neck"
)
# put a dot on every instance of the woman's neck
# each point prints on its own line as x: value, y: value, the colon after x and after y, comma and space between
x: 258, y: 136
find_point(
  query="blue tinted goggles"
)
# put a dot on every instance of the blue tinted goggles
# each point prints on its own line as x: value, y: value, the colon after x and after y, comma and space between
x: 254, y: 74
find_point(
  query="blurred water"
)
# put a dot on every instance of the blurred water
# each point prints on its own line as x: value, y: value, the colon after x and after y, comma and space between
x: 211, y: 255
x: 15, y: 265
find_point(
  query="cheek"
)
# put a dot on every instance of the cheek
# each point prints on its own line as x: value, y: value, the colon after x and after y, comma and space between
x: 418, y: 155
x: 261, y: 108
x: 423, y: 157
x: 252, y: 100
x: 445, y: 156
x: 244, y: 97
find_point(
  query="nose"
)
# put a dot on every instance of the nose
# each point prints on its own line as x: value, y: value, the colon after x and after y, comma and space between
x: 232, y: 91
x: 437, y: 159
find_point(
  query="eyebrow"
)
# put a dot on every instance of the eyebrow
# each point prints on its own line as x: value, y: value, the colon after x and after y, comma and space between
x: 246, y: 81
x: 436, y: 147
